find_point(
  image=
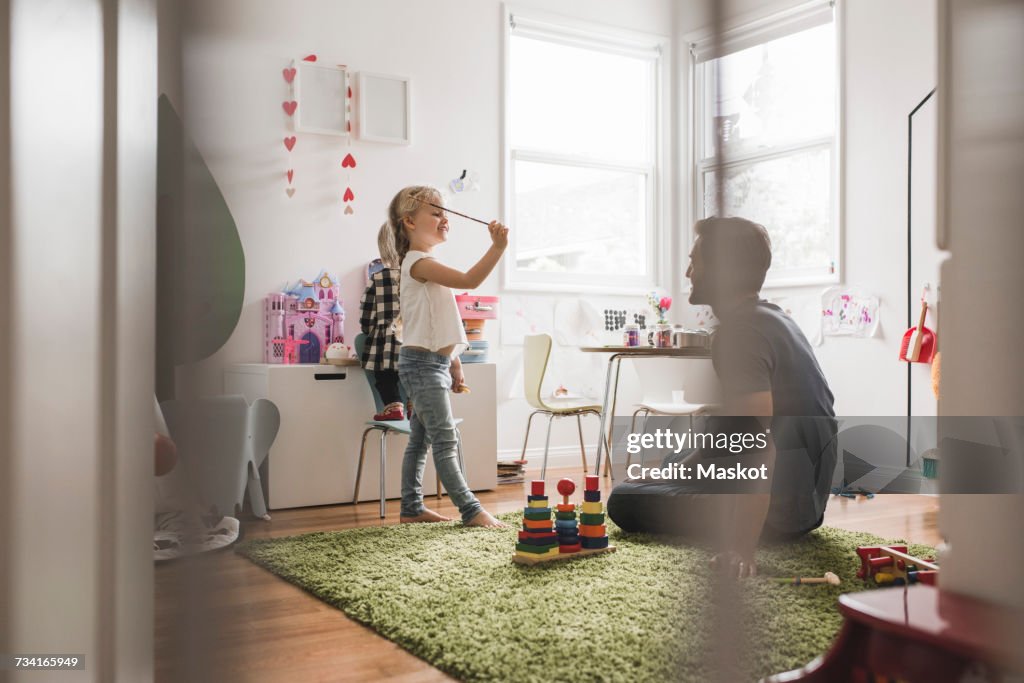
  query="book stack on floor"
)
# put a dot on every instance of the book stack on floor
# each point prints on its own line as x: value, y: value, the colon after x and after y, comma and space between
x: 511, y: 471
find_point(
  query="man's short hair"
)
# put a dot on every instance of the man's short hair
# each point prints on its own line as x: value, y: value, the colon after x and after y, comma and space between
x: 737, y: 251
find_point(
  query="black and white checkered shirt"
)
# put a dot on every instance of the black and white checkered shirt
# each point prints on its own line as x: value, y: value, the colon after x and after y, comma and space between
x: 378, y: 310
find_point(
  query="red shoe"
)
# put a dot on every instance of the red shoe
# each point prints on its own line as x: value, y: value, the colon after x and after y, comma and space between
x: 392, y: 412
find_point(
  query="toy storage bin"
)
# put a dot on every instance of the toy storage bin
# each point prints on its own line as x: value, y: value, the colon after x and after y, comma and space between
x: 473, y: 307
x: 474, y: 329
x: 476, y: 353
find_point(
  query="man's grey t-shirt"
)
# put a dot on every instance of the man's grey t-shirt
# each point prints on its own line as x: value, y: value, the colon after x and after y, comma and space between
x: 758, y: 348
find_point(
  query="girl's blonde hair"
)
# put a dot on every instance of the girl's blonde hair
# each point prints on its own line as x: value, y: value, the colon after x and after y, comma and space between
x: 386, y: 245
x: 392, y: 240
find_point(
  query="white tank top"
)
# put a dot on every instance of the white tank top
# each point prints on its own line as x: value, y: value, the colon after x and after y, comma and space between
x: 430, y: 316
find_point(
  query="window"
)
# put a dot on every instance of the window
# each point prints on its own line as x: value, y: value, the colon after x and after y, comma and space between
x: 582, y: 158
x: 765, y: 111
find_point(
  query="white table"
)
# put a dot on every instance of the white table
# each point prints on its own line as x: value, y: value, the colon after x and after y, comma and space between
x: 611, y: 387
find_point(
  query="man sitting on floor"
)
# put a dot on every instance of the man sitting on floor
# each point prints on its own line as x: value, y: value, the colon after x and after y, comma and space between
x: 768, y: 372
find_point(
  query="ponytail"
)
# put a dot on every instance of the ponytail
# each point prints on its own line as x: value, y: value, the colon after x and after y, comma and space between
x: 390, y: 255
x: 392, y: 239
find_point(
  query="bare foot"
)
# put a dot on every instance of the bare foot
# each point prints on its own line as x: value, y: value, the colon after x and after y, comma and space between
x: 484, y: 519
x: 426, y: 516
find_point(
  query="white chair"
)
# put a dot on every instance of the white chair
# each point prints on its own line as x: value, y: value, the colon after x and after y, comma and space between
x: 695, y: 393
x: 536, y: 352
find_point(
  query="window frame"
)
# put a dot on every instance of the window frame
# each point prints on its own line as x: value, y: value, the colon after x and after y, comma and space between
x: 564, y: 30
x: 740, y: 35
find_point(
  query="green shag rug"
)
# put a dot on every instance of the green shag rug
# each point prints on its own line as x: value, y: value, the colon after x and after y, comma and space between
x: 452, y: 597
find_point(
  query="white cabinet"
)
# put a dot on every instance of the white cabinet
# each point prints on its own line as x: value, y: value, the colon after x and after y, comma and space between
x: 323, y: 413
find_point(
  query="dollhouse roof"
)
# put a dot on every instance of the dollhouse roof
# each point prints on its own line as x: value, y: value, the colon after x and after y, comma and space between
x: 323, y: 272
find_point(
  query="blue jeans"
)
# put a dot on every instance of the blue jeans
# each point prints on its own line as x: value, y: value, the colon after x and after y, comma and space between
x: 427, y: 381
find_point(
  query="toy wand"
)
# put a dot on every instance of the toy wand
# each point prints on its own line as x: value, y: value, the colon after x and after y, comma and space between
x: 456, y: 213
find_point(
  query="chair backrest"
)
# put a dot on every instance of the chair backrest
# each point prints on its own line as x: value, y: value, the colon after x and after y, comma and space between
x: 536, y: 351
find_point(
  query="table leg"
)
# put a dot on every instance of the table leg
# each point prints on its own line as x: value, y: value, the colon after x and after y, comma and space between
x: 604, y: 414
x: 615, y: 402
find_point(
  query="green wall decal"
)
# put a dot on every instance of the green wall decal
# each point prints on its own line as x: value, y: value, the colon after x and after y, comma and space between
x: 200, y: 261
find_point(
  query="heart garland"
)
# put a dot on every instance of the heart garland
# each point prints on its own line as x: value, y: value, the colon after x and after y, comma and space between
x: 289, y: 106
x: 349, y: 162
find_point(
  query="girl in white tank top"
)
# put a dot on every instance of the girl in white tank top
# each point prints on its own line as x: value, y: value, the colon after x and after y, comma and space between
x: 432, y: 339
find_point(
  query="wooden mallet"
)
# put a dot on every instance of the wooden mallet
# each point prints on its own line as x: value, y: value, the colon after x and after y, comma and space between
x: 829, y: 578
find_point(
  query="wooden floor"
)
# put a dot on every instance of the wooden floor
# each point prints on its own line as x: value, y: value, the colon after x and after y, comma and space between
x: 222, y: 618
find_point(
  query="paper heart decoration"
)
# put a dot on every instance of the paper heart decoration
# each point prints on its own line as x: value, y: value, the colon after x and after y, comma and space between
x: 309, y: 58
x: 289, y: 75
x: 290, y: 191
x: 348, y: 195
x: 289, y: 142
x: 348, y: 162
x: 348, y: 126
x: 348, y: 209
x: 350, y: 91
x: 289, y: 107
x: 290, y: 174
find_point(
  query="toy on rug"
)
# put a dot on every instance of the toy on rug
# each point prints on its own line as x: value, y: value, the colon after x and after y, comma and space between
x: 829, y: 578
x: 890, y: 565
x: 539, y: 541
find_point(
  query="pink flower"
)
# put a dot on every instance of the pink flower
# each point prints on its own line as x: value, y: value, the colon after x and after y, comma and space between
x: 665, y: 303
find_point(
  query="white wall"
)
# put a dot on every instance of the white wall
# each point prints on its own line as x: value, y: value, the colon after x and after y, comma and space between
x: 234, y: 52
x: 233, y: 55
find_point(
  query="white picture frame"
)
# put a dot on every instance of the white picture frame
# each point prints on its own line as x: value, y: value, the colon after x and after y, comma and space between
x: 385, y: 106
x: 322, y: 93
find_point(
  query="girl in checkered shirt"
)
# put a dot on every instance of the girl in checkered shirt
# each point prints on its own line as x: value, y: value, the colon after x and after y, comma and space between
x: 378, y: 317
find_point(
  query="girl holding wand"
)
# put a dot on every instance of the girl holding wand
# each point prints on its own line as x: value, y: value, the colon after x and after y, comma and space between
x: 432, y: 339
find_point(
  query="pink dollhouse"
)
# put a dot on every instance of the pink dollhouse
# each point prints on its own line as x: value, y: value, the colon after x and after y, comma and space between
x: 307, y: 311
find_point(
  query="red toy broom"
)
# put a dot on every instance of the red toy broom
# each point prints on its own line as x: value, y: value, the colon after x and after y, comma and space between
x: 918, y: 342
